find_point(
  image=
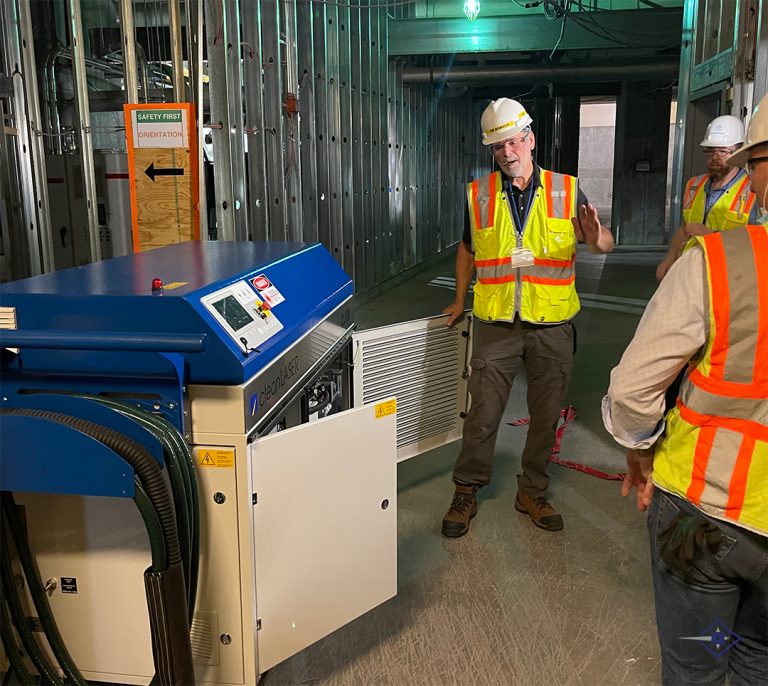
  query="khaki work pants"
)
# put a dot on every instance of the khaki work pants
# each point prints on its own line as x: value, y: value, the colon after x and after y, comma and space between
x: 497, y: 351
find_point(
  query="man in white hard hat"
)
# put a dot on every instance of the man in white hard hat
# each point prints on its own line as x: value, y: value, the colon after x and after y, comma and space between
x: 718, y: 200
x: 521, y: 240
x: 703, y: 469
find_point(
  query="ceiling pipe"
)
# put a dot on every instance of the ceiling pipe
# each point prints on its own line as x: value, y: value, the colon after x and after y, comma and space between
x: 482, y: 75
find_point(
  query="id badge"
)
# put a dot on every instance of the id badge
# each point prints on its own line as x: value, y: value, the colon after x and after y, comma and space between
x: 522, y: 257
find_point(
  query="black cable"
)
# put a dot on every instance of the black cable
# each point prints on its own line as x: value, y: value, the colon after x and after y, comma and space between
x: 154, y: 529
x: 12, y: 652
x: 166, y: 596
x: 586, y: 26
x: 176, y: 452
x: 36, y: 590
x: 178, y: 477
x: 136, y: 456
x: 11, y: 596
x: 587, y: 16
x: 562, y: 32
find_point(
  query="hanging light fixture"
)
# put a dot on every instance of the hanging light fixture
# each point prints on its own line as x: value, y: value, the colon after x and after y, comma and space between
x: 471, y: 9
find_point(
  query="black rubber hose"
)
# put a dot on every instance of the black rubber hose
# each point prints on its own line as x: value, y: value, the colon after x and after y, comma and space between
x: 136, y: 456
x: 151, y: 476
x: 11, y: 595
x: 177, y: 447
x: 39, y: 598
x: 11, y: 648
x: 183, y: 484
x: 154, y: 529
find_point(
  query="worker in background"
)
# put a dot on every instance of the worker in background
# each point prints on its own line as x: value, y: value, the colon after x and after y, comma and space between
x: 520, y: 238
x: 708, y: 519
x: 716, y: 201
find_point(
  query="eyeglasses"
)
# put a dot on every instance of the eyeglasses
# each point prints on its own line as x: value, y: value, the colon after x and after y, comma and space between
x: 514, y: 144
x: 750, y: 165
x: 718, y: 152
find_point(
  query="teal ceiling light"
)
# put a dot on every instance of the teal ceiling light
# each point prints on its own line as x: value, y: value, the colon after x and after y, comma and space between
x: 471, y: 9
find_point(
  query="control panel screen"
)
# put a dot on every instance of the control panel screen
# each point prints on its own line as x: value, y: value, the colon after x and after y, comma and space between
x: 245, y: 317
x: 233, y: 312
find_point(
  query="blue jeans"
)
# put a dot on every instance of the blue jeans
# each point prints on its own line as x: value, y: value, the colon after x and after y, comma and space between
x: 726, y: 590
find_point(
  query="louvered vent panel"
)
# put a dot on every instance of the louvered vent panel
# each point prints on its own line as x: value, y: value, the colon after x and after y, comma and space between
x: 204, y: 636
x: 8, y: 321
x: 421, y: 363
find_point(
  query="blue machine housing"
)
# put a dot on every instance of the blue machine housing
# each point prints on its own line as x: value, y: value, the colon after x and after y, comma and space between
x: 100, y: 330
x: 115, y: 297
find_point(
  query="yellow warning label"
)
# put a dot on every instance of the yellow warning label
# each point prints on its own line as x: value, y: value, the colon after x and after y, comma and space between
x: 216, y: 457
x: 386, y: 408
x: 175, y: 284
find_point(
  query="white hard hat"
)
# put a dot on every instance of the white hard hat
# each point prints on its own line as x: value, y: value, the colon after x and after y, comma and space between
x: 756, y: 134
x: 502, y: 119
x: 723, y: 132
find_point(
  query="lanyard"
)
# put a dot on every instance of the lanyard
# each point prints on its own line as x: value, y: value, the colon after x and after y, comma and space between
x: 512, y: 202
x: 713, y: 196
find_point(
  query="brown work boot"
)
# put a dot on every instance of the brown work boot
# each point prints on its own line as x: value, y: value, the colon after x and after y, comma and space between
x: 463, y: 508
x: 541, y: 512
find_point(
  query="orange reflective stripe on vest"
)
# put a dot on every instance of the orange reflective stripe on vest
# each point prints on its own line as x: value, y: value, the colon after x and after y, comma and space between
x: 547, y: 293
x: 715, y: 452
x: 736, y: 369
x: 695, y: 185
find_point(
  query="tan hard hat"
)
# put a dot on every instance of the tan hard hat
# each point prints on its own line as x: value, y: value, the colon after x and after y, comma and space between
x: 757, y: 133
x: 502, y: 119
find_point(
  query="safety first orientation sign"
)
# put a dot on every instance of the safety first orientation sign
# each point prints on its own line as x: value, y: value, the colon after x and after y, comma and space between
x: 162, y: 168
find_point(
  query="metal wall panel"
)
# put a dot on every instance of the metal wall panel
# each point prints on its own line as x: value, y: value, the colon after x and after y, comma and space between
x: 379, y: 158
x: 258, y: 200
x: 334, y: 128
x: 372, y: 168
x: 344, y: 143
x: 307, y: 135
x: 357, y: 149
x: 321, y: 187
x: 226, y: 112
x: 367, y: 231
x: 274, y: 121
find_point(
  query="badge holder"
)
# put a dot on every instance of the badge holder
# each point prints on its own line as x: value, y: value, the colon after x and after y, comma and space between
x: 521, y: 257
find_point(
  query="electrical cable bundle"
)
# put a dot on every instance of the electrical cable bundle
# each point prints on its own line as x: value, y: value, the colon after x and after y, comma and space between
x: 172, y: 522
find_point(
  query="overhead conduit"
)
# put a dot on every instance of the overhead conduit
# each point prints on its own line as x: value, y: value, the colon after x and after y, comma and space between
x: 494, y: 74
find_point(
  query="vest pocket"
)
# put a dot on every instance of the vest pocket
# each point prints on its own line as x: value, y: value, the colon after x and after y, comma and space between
x: 486, y: 243
x: 549, y: 304
x: 731, y: 220
x: 561, y: 239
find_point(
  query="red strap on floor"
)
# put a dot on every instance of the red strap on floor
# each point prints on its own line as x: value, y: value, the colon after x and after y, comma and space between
x: 567, y: 415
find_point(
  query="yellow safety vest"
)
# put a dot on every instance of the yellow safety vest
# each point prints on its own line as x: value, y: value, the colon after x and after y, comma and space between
x: 730, y: 211
x: 715, y: 452
x: 545, y: 292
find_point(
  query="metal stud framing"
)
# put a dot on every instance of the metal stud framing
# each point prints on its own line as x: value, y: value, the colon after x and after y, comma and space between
x: 370, y: 167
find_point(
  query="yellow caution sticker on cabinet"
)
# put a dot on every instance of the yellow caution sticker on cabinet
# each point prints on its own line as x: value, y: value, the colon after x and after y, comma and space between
x: 215, y: 457
x: 386, y: 408
x: 175, y: 284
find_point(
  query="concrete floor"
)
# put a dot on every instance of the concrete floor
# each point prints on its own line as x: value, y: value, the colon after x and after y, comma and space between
x: 508, y: 603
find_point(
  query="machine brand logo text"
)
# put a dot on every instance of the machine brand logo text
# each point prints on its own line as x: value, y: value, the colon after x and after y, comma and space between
x: 276, y: 386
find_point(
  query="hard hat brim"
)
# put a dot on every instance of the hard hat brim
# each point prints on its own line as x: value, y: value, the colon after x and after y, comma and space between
x: 508, y: 131
x: 740, y: 157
